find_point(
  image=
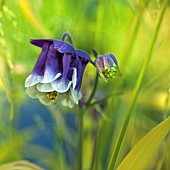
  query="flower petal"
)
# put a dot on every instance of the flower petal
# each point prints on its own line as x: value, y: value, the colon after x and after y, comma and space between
x: 62, y: 46
x: 74, y: 77
x: 39, y: 66
x: 100, y: 64
x: 38, y: 71
x: 108, y: 61
x: 62, y: 84
x: 33, y: 93
x: 79, y: 65
x: 84, y: 55
x: 32, y: 80
x: 75, y: 95
x: 67, y: 103
x: 46, y: 87
x: 52, y: 66
x: 45, y: 100
x: 113, y: 57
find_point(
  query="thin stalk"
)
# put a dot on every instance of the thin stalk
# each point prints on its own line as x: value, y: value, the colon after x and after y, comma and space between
x: 80, y: 141
x: 137, y: 89
x: 80, y: 126
x: 67, y: 35
x: 166, y: 104
x: 94, y: 148
x: 97, y: 153
x: 94, y: 90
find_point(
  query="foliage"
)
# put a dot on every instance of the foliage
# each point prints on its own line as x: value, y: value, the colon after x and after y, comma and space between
x: 124, y: 109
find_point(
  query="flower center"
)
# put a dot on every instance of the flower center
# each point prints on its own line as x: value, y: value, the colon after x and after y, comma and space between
x: 52, y: 95
x: 110, y: 72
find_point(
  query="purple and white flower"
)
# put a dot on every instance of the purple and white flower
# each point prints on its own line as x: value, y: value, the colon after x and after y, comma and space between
x: 57, y: 73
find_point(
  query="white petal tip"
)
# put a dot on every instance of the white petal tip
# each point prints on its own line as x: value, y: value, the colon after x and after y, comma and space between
x: 32, y: 80
x: 61, y: 86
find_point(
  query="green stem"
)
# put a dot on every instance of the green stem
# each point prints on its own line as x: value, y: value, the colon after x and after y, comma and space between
x: 94, y: 90
x: 137, y: 89
x: 80, y: 126
x: 67, y: 35
x: 80, y: 141
x: 94, y: 52
x: 94, y: 148
x: 97, y: 150
x: 166, y: 104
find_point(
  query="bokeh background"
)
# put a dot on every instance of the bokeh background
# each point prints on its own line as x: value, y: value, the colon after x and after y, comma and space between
x: 47, y: 135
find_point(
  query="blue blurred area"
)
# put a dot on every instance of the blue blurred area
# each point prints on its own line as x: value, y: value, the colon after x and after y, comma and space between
x: 36, y: 117
x: 33, y: 114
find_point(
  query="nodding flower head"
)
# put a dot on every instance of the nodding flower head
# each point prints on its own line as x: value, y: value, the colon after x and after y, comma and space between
x: 57, y: 73
x: 107, y: 66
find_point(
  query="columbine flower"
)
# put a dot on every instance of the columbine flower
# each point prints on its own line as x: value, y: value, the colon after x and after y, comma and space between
x: 57, y: 73
x: 107, y: 66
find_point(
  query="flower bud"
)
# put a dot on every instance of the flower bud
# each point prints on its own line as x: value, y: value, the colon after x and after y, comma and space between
x: 107, y: 67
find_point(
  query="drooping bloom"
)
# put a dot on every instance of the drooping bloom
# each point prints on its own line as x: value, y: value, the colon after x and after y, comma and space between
x: 57, y: 73
x: 107, y: 66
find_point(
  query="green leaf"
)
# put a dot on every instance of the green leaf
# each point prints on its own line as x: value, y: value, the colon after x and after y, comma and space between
x: 143, y: 151
x: 20, y: 165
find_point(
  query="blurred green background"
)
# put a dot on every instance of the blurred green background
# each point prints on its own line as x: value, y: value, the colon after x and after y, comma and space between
x: 47, y: 135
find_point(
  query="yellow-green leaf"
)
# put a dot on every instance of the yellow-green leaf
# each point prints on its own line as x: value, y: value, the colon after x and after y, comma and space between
x: 143, y: 151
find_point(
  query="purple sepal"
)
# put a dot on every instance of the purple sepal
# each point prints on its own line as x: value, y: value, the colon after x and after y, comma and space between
x: 61, y: 46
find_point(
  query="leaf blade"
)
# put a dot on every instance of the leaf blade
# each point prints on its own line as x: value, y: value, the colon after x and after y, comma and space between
x: 139, y: 158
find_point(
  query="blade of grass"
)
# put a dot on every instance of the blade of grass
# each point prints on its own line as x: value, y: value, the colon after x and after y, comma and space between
x: 137, y: 88
x: 94, y: 153
x: 31, y: 17
x: 167, y: 103
x: 5, y: 63
x: 80, y: 141
x: 6, y: 84
x: 96, y: 160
